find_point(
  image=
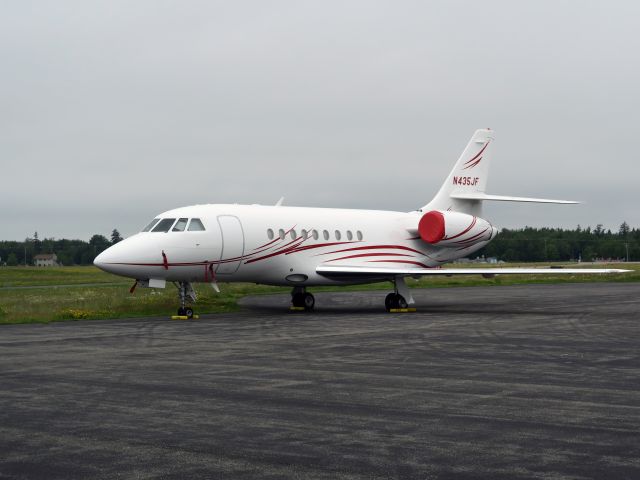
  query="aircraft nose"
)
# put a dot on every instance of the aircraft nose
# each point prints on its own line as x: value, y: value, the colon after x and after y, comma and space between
x: 128, y: 257
x: 102, y: 260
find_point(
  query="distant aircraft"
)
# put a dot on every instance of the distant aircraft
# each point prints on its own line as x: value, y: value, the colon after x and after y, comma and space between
x: 304, y: 247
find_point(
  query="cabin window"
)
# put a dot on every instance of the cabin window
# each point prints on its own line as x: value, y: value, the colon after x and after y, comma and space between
x: 315, y: 235
x: 151, y: 224
x: 359, y: 234
x: 325, y: 234
x: 304, y: 234
x: 270, y: 234
x: 196, y: 225
x: 294, y: 235
x: 164, y: 225
x: 338, y: 235
x: 281, y: 234
x: 180, y: 225
x: 349, y: 235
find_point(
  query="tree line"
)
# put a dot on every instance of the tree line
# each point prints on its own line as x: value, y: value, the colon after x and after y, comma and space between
x: 556, y: 244
x: 511, y: 245
x: 69, y: 252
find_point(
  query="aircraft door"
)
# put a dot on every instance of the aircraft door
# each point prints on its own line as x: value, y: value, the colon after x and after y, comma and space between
x: 232, y: 244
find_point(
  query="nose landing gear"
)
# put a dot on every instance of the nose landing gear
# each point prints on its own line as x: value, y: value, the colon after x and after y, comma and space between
x: 186, y: 292
x: 301, y: 299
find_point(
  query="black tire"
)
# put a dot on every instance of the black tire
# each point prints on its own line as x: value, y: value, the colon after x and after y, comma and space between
x: 395, y: 300
x: 389, y: 301
x: 297, y: 300
x: 188, y: 312
x: 181, y: 312
x: 401, y: 302
x: 308, y: 301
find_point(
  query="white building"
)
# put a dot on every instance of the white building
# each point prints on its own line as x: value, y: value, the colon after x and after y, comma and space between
x: 46, y: 260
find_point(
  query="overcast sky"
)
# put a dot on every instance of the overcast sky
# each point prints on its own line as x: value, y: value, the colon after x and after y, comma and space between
x: 114, y: 111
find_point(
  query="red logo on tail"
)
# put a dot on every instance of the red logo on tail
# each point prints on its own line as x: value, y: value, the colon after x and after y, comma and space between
x: 476, y: 159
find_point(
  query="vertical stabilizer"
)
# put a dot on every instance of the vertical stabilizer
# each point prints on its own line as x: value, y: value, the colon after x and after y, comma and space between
x: 469, y: 176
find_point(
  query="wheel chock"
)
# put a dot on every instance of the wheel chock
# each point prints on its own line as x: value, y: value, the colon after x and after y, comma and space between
x: 296, y: 309
x: 184, y: 317
x: 403, y: 310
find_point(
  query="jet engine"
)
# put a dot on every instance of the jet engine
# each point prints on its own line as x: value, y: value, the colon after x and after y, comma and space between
x: 454, y: 229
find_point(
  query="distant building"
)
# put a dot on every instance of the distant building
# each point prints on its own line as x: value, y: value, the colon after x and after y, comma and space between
x: 46, y: 260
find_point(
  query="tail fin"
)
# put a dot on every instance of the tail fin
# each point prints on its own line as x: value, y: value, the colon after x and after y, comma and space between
x: 464, y: 189
x: 469, y: 176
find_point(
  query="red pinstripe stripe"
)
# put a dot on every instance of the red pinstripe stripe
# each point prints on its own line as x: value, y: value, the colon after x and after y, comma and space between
x: 318, y: 245
x: 369, y: 255
x: 401, y: 261
x: 477, y: 154
x: 278, y: 252
x: 275, y: 239
x: 465, y: 231
x: 269, y: 243
x: 473, y: 164
x: 471, y: 239
x: 372, y: 247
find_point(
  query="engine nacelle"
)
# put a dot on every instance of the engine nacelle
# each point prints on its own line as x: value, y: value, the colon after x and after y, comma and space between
x: 454, y: 229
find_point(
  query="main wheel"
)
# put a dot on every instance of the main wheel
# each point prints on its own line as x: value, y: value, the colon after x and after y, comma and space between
x: 395, y: 300
x: 308, y: 301
x: 181, y: 312
x: 297, y: 300
x: 389, y: 301
x: 188, y: 312
x: 401, y: 302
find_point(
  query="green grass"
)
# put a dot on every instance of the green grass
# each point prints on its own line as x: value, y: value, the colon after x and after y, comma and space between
x: 89, y: 293
x: 47, y: 304
x: 41, y: 276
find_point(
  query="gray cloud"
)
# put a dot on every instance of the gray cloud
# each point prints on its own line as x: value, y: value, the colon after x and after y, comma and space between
x: 111, y: 112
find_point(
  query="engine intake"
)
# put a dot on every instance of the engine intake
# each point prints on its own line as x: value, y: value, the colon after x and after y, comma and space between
x: 454, y: 229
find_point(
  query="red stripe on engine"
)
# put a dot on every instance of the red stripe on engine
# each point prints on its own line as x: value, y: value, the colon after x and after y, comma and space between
x: 463, y: 232
x: 471, y: 239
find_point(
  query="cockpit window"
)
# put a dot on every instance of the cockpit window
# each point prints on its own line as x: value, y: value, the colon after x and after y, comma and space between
x: 180, y: 225
x: 196, y: 225
x: 164, y: 225
x: 151, y: 224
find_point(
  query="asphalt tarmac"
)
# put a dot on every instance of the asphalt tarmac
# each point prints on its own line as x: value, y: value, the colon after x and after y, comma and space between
x: 484, y: 382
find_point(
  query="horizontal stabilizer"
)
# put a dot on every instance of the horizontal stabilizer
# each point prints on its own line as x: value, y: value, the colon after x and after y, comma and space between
x: 502, y: 198
x: 346, y: 271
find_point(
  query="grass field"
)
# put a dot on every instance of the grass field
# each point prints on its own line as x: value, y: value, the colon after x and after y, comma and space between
x: 30, y: 294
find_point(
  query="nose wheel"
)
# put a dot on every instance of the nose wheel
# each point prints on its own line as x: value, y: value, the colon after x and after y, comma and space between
x: 186, y: 292
x: 185, y: 312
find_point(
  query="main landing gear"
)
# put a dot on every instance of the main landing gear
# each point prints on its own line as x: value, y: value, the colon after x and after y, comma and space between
x: 186, y: 292
x: 394, y: 301
x: 400, y: 298
x: 301, y: 299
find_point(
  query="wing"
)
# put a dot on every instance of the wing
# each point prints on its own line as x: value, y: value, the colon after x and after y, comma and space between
x: 380, y: 272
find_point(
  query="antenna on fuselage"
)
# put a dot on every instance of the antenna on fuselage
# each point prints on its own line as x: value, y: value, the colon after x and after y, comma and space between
x: 279, y: 202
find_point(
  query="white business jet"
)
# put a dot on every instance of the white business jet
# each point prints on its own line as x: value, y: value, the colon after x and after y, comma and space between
x: 304, y: 247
